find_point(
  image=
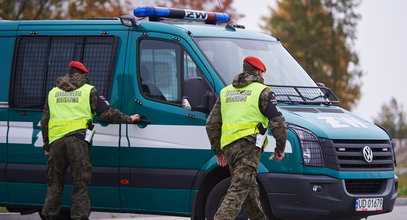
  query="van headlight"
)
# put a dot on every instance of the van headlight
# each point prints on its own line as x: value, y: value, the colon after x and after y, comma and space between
x: 311, y: 149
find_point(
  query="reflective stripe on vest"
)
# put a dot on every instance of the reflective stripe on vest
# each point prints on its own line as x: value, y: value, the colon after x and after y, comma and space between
x: 69, y: 111
x: 240, y: 112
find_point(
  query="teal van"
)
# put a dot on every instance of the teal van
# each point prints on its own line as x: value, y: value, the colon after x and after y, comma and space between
x: 337, y: 165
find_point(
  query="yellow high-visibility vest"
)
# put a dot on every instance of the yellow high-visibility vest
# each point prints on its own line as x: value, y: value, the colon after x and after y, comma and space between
x: 69, y: 111
x: 240, y: 112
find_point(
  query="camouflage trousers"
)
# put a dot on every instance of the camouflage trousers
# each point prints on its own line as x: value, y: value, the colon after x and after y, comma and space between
x: 70, y: 151
x: 243, y: 158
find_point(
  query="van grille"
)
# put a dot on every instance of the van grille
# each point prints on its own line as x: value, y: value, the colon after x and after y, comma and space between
x: 347, y: 155
x: 364, y: 186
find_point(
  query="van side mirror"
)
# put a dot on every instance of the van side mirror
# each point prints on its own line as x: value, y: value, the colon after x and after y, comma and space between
x: 198, y: 96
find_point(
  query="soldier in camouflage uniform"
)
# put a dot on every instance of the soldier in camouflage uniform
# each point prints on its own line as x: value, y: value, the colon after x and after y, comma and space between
x: 71, y: 149
x: 242, y: 155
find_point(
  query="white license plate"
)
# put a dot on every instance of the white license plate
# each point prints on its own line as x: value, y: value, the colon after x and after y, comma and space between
x: 369, y: 204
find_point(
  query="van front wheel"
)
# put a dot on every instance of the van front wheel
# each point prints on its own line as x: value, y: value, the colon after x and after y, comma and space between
x: 216, y: 196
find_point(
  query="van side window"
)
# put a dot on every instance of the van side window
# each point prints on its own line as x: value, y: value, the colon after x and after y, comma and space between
x: 163, y: 68
x: 40, y: 60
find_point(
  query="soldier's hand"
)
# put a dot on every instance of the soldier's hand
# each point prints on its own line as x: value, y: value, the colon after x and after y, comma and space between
x: 135, y: 117
x: 278, y: 156
x: 221, y: 159
x: 46, y: 153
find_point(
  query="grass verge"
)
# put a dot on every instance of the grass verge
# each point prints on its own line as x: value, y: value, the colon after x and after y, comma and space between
x: 3, y: 209
x: 402, y: 192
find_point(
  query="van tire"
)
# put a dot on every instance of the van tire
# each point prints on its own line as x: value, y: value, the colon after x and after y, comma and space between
x: 216, y: 196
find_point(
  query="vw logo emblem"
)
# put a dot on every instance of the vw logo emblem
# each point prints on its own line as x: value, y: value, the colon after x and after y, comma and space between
x: 367, y: 154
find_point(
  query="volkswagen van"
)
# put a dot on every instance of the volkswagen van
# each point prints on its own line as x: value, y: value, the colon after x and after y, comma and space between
x: 337, y: 164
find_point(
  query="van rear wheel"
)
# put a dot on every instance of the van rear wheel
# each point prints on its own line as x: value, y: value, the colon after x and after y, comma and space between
x: 216, y: 196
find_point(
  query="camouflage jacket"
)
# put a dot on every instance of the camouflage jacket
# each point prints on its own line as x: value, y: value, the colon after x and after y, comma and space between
x: 106, y: 113
x: 276, y: 124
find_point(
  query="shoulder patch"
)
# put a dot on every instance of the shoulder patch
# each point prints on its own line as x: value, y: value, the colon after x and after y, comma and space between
x: 272, y: 98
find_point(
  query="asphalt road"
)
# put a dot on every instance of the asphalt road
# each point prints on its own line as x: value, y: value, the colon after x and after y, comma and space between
x: 399, y: 213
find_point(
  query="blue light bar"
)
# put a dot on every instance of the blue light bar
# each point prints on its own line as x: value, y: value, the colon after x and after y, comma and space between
x: 151, y: 11
x: 183, y: 14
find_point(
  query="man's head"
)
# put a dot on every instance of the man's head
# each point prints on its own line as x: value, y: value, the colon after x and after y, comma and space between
x: 77, y: 67
x: 254, y: 64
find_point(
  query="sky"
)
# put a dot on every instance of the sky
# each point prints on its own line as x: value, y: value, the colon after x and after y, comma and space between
x: 381, y: 45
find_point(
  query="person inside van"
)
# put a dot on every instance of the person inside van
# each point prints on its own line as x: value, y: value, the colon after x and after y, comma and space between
x: 149, y: 89
x: 67, y: 130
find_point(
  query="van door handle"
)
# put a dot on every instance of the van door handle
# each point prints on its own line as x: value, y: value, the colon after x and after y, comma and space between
x: 142, y: 122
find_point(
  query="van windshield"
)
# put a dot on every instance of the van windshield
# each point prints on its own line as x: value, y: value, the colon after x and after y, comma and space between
x: 226, y: 56
x: 284, y: 75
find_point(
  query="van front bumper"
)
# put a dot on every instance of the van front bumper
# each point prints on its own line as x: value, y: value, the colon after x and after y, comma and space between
x: 291, y: 196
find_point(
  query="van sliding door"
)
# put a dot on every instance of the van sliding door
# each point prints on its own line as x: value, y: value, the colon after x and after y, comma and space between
x: 38, y: 61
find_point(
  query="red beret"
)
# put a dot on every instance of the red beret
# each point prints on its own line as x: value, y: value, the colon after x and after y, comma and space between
x: 79, y: 65
x: 256, y: 62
